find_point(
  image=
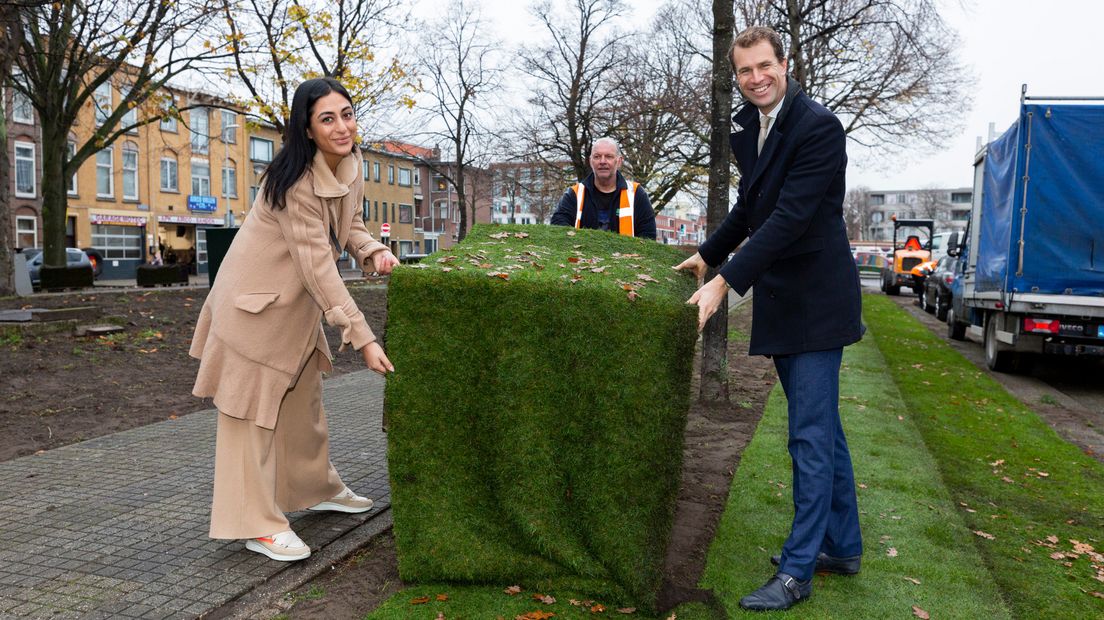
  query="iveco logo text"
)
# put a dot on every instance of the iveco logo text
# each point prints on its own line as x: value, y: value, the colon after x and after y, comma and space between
x: 1073, y: 327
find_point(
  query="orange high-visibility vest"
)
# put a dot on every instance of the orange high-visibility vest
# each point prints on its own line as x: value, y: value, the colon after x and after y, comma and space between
x: 626, y: 223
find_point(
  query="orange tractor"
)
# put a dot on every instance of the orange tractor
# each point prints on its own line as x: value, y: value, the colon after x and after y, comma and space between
x: 908, y: 253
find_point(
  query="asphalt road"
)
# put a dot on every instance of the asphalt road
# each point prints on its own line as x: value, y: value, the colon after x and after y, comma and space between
x: 1067, y: 392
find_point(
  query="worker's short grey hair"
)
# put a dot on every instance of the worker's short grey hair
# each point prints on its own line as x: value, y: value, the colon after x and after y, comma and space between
x: 609, y: 141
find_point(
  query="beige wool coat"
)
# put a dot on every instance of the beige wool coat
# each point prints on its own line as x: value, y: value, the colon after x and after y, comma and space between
x: 278, y: 280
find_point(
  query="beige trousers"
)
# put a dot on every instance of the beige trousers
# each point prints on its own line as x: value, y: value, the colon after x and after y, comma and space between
x: 260, y: 474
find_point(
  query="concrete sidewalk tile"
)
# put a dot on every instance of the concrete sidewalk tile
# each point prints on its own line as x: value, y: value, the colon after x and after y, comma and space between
x: 116, y: 527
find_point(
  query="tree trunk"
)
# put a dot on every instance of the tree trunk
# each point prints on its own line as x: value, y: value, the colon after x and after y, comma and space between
x: 54, y: 195
x: 10, y: 35
x: 461, y: 203
x: 714, y: 366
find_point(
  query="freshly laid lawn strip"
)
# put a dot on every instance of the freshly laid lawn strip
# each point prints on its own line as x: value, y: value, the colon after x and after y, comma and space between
x: 918, y: 549
x: 1035, y: 501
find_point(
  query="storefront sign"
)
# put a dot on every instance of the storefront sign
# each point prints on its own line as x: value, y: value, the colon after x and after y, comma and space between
x: 189, y: 219
x: 129, y: 220
x: 202, y: 203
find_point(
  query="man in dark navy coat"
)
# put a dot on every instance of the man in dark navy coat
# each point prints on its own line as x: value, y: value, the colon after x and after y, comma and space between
x: 806, y: 305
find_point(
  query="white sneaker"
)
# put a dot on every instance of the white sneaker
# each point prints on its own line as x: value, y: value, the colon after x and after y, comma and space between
x: 284, y: 546
x: 345, y: 501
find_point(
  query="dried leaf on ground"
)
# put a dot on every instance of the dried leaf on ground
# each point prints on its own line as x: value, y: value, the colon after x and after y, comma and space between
x: 535, y: 615
x: 633, y: 295
x: 501, y: 235
x: 574, y: 602
x: 421, y: 600
x: 984, y: 535
x: 597, y: 608
x: 912, y: 580
x: 1096, y: 594
x: 572, y: 259
x: 440, y: 615
x: 626, y: 610
x: 512, y: 590
x: 442, y: 597
x: 645, y: 277
x: 920, y: 613
x: 892, y: 552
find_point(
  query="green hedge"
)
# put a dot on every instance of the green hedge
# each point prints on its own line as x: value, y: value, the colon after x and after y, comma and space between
x: 537, y: 410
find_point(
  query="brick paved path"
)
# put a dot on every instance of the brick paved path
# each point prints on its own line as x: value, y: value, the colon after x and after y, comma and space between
x: 116, y: 527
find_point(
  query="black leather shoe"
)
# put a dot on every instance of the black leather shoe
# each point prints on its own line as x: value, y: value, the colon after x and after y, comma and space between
x: 781, y: 592
x: 828, y: 564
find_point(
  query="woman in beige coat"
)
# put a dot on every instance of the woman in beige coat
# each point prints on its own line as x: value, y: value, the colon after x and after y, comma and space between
x: 259, y: 336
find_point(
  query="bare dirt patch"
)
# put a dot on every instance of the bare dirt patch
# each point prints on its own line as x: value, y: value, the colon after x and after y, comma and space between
x: 59, y: 388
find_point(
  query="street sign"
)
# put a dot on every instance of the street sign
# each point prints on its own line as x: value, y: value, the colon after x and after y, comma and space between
x: 385, y: 230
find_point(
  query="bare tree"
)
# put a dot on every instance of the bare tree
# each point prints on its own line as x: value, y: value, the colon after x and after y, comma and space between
x: 887, y: 68
x: 574, y: 74
x: 714, y: 367
x: 657, y: 111
x: 933, y: 204
x: 461, y: 76
x: 73, y: 47
x: 276, y: 44
x: 856, y: 212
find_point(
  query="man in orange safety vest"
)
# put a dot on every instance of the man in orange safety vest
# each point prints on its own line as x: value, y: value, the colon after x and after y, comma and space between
x: 605, y: 200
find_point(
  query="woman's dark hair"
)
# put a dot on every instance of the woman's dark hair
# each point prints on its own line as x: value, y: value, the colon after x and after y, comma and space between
x: 297, y: 153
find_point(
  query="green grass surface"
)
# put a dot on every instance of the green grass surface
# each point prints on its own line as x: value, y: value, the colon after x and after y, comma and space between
x: 535, y: 422
x: 918, y: 549
x: 1011, y: 477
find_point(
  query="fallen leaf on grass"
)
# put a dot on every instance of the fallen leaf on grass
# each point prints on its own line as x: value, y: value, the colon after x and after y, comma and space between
x: 920, y: 613
x: 535, y: 615
x: 521, y: 235
x: 153, y: 350
x: 598, y: 608
x: 912, y: 580
x: 892, y: 552
x: 499, y: 274
x: 862, y: 486
x: 572, y: 259
x: 501, y: 235
x: 626, y: 610
x: 571, y: 233
x: 645, y: 277
x: 1096, y: 594
x: 512, y: 590
x: 633, y: 295
x: 442, y: 597
x: 547, y: 599
x: 1052, y: 539
x: 984, y: 535
x: 421, y: 600
x: 440, y: 615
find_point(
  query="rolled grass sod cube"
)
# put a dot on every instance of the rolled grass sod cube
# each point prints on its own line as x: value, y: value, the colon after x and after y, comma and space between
x: 536, y: 415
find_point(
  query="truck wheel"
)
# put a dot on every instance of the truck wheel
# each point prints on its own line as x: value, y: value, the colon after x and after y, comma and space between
x: 955, y: 330
x: 997, y: 357
x: 941, y: 308
x: 893, y: 290
x: 924, y: 305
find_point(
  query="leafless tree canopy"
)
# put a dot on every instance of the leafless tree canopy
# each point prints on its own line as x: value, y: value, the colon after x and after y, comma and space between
x: 276, y: 44
x: 887, y: 68
x: 72, y: 47
x: 657, y: 110
x: 856, y: 212
x: 461, y: 74
x: 574, y: 75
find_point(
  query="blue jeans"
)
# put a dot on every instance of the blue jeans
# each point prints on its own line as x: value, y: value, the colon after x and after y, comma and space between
x: 826, y: 512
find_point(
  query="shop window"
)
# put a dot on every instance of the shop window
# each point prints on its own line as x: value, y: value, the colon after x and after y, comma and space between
x: 117, y: 242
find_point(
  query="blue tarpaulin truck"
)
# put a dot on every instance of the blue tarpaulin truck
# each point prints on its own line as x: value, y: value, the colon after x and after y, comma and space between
x: 1033, y: 279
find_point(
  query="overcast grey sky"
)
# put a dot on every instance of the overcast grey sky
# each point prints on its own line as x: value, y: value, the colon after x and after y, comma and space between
x: 1052, y: 45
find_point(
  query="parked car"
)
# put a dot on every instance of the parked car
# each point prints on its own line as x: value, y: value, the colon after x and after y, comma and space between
x: 935, y: 298
x: 74, y: 257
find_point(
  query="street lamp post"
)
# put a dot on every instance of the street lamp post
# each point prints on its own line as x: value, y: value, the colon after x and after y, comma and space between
x: 229, y: 218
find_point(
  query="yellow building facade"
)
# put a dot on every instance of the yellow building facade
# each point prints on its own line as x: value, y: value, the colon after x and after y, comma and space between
x: 392, y: 183
x: 151, y: 195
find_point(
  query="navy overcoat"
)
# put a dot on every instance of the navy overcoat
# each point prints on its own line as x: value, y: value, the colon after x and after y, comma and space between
x: 789, y: 208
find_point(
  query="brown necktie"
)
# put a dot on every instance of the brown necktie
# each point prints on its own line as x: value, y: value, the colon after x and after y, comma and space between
x: 764, y: 128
